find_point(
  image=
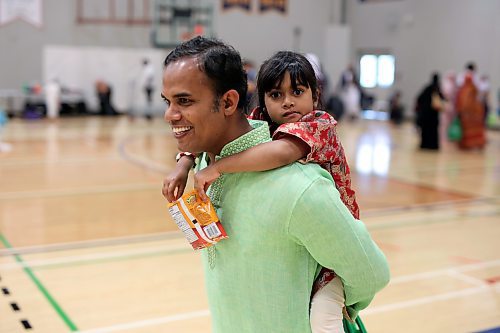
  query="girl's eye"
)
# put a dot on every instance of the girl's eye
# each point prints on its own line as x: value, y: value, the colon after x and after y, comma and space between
x: 298, y: 92
x: 274, y: 94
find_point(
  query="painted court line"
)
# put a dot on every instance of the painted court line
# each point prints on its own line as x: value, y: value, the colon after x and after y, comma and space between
x: 93, y: 258
x: 444, y: 218
x: 92, y: 243
x: 425, y: 300
x: 55, y: 305
x: 442, y: 272
x: 82, y: 191
x: 467, y: 278
x: 371, y: 311
x: 149, y: 322
x: 139, y: 161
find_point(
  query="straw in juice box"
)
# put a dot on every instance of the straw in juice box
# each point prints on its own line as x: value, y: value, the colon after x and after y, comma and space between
x: 197, y: 220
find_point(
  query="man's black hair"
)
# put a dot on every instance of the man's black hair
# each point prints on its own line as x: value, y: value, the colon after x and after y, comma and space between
x: 219, y: 61
x: 471, y: 66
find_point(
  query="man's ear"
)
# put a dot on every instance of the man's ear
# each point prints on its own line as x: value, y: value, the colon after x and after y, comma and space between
x: 230, y: 102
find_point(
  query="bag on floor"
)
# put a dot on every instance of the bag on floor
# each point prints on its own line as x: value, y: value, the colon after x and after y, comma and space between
x: 455, y: 130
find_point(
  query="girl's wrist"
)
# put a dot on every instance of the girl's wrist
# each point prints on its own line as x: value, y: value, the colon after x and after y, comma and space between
x: 186, y: 155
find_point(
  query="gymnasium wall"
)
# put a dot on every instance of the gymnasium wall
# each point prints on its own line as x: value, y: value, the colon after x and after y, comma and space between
x: 424, y: 35
x: 254, y: 34
x: 429, y: 35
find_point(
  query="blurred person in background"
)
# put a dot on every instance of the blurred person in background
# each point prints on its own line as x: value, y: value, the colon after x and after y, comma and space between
x: 484, y: 94
x: 147, y: 85
x: 429, y: 105
x: 251, y: 82
x: 396, y: 109
x: 321, y: 77
x: 470, y: 111
x: 104, y: 93
x: 52, y: 92
x: 449, y: 90
x: 350, y: 93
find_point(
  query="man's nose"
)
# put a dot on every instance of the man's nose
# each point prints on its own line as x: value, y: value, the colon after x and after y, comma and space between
x: 171, y: 114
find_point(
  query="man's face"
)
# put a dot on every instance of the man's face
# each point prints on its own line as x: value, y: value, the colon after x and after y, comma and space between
x: 196, y: 119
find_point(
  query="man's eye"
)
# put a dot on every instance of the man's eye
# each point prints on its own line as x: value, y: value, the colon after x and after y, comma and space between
x: 184, y: 101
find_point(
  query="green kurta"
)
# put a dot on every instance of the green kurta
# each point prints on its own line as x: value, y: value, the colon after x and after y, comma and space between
x: 282, y: 225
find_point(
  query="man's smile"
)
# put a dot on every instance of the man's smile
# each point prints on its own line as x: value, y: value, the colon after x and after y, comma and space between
x: 179, y: 131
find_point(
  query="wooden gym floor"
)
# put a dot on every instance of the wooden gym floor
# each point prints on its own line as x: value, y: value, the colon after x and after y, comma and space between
x: 86, y: 243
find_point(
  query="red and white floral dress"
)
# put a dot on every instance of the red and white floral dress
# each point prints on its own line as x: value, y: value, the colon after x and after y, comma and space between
x: 317, y: 130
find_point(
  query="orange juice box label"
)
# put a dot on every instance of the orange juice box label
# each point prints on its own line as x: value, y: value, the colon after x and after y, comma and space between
x: 197, y: 220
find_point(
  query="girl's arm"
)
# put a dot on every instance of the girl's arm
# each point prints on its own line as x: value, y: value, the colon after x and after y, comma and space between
x: 175, y: 183
x: 265, y: 156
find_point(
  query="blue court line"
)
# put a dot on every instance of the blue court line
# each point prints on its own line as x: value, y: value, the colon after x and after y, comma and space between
x: 41, y: 287
x: 491, y: 330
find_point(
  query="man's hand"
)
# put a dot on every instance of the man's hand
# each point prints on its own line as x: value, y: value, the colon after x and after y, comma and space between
x: 175, y: 183
x: 203, y: 179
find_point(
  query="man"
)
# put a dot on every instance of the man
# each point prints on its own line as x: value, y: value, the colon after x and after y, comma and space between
x: 280, y: 230
x: 146, y: 80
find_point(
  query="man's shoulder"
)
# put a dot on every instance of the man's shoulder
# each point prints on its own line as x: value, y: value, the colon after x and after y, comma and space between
x: 308, y: 171
x: 295, y: 175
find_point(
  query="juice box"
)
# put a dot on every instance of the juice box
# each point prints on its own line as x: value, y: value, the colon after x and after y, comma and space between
x: 197, y: 220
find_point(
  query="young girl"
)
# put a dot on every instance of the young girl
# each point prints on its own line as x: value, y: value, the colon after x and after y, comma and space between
x: 288, y: 95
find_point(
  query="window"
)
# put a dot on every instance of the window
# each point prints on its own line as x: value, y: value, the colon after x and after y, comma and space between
x: 376, y: 70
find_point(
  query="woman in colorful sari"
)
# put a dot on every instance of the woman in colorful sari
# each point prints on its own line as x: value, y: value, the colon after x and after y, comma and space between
x: 471, y: 114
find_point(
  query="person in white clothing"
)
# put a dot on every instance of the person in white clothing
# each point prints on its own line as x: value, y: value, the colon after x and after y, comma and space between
x: 52, y: 92
x: 147, y: 85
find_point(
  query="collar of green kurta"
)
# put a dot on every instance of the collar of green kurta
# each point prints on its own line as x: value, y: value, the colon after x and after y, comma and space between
x: 259, y: 134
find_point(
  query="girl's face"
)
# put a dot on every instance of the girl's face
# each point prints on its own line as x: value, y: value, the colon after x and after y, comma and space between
x: 287, y: 105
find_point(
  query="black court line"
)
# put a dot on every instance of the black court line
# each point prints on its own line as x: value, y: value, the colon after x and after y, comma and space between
x: 26, y: 324
x: 15, y: 308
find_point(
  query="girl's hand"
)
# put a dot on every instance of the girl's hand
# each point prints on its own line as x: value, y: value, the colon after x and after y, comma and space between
x: 203, y: 179
x: 175, y: 183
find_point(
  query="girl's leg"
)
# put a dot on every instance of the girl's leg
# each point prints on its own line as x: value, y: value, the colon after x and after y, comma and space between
x: 326, y: 308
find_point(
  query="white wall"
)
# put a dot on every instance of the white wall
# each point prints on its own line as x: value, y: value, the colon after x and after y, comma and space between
x: 258, y: 35
x: 337, y: 44
x: 79, y: 67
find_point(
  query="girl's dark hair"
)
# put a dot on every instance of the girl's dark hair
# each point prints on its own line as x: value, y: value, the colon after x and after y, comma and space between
x: 273, y: 70
x: 219, y: 61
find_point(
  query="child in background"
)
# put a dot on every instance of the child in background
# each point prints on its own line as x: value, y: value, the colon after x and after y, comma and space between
x: 288, y: 96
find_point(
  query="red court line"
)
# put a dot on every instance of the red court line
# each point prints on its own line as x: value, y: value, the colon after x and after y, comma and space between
x: 493, y: 280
